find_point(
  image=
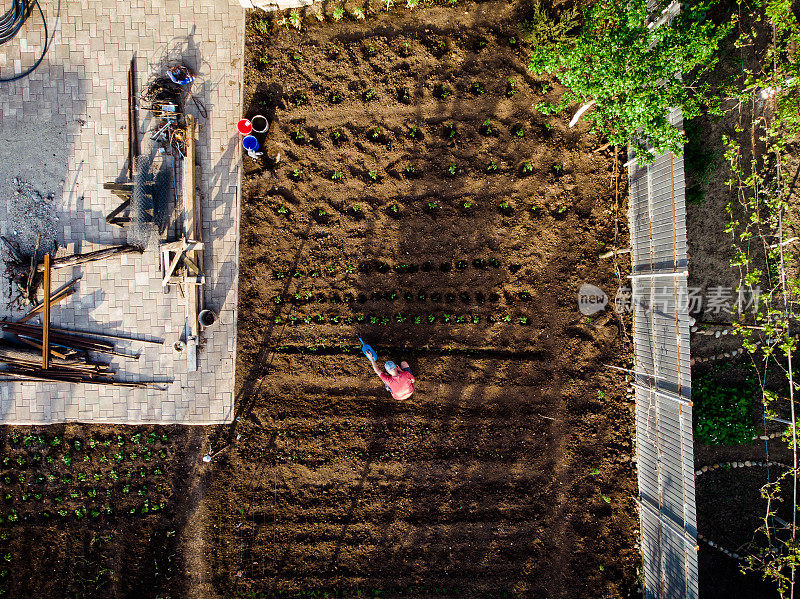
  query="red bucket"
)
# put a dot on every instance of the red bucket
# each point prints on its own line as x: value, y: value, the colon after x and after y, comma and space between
x: 244, y: 126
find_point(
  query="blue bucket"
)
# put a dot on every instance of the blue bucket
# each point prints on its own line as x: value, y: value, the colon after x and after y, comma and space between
x: 250, y: 143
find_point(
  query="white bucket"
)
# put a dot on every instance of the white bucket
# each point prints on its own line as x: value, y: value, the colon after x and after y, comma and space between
x: 260, y: 124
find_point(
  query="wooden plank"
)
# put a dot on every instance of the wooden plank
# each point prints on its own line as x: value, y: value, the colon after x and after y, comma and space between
x: 193, y: 229
x: 171, y: 268
x: 54, y: 299
x: 46, y: 315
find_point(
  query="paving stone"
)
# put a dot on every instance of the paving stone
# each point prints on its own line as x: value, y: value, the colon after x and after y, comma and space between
x: 83, y: 79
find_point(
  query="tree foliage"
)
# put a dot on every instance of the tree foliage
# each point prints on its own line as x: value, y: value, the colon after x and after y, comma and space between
x: 635, y: 72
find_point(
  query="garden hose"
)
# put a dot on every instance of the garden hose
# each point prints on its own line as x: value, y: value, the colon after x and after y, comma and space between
x: 10, y: 25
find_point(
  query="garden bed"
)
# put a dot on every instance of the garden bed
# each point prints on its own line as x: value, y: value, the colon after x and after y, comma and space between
x: 91, y: 511
x: 420, y: 202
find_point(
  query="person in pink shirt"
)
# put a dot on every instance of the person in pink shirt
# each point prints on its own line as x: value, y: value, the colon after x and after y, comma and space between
x: 399, y: 382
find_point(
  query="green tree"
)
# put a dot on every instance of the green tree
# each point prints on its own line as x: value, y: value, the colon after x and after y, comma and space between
x: 635, y: 73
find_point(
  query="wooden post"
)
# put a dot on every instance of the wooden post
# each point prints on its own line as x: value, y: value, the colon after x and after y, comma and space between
x: 193, y: 229
x: 46, y: 315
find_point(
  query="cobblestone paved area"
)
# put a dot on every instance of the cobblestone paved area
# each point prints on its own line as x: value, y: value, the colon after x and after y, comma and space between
x: 75, y: 108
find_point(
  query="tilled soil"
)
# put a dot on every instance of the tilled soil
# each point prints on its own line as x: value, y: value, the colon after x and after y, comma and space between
x: 508, y: 472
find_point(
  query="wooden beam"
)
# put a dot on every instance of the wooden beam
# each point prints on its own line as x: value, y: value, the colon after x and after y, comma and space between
x: 54, y: 299
x: 193, y: 230
x: 46, y: 315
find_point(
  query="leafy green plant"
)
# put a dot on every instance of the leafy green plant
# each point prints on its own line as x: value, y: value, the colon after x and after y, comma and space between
x: 629, y: 68
x: 452, y: 169
x: 526, y: 168
x: 414, y: 132
x: 492, y: 167
x: 511, y: 87
x: 335, y: 97
x: 337, y: 175
x: 294, y: 19
x: 441, y: 91
x: 262, y: 25
x: 296, y: 56
x: 412, y: 4
x: 450, y: 130
x: 477, y: 88
x: 723, y: 413
x: 370, y: 95
x: 404, y: 95
x: 298, y: 136
x: 486, y: 127
x: 338, y: 13
x: 519, y: 131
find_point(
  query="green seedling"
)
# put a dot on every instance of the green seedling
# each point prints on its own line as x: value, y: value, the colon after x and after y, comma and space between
x: 295, y: 20
x: 486, y: 127
x: 519, y: 131
x: 283, y: 209
x: 337, y: 136
x: 337, y: 175
x: 511, y: 87
x: 375, y: 134
x: 605, y: 498
x: 372, y: 175
x: 301, y: 98
x: 410, y: 171
x: 404, y: 95
x: 358, y: 13
x: 296, y: 56
x: 412, y: 4
x: 298, y: 136
x: 431, y: 207
x: 338, y: 13
x: 335, y: 98
x: 441, y: 91
x: 404, y: 50
x: 370, y: 95
x: 450, y: 130
x: 452, y: 169
x: 477, y: 89
x: 503, y: 206
x: 414, y: 133
x: 394, y: 209
x: 594, y: 471
x: 466, y: 205
x: 492, y: 167
x: 526, y: 168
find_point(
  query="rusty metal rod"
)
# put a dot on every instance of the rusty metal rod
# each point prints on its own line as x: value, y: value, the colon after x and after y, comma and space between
x: 46, y: 315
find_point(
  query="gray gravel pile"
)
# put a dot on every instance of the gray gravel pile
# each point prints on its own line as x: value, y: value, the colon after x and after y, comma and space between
x: 29, y: 214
